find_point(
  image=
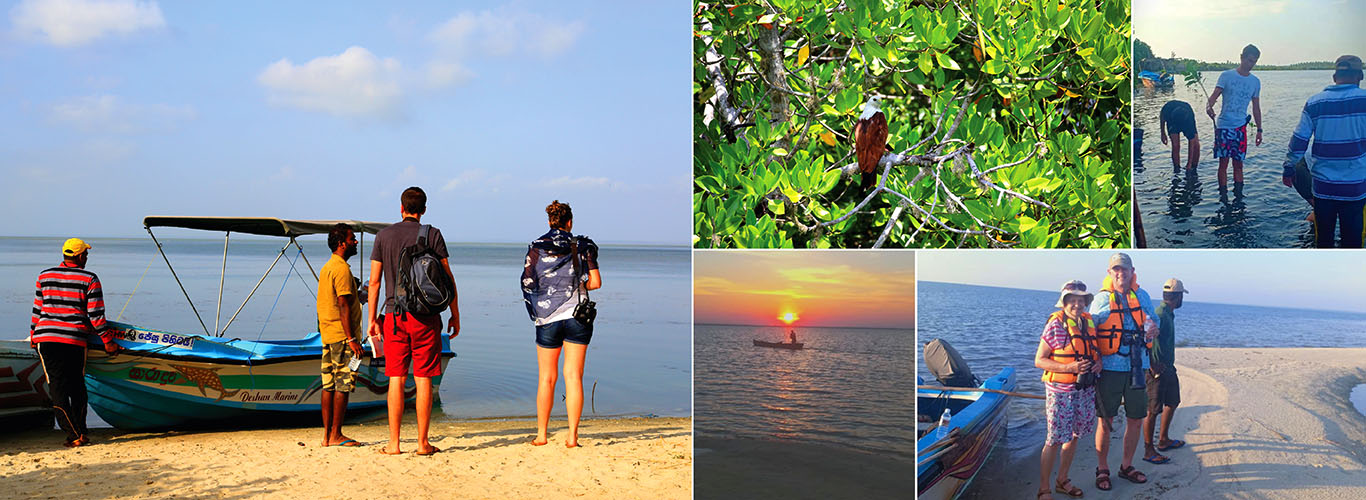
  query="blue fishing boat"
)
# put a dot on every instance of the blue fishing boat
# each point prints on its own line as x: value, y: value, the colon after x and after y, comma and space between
x: 947, y: 462
x: 170, y: 380
x: 1151, y: 79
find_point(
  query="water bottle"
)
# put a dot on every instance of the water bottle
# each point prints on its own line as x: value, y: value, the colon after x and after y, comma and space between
x: 944, y: 419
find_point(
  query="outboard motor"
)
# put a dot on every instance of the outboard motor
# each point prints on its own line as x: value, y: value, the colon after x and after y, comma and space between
x: 947, y: 365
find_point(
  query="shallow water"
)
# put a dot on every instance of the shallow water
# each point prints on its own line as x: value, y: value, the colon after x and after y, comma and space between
x: 846, y: 388
x: 1358, y: 398
x: 1190, y: 211
x: 1007, y: 334
x: 639, y: 357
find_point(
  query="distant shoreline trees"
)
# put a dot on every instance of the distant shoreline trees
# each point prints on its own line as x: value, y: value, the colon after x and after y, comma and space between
x: 1143, y: 53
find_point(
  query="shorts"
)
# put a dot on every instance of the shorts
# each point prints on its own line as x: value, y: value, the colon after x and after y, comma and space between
x: 1163, y: 391
x: 554, y: 335
x: 1070, y: 415
x: 336, y: 376
x: 1112, y: 389
x: 1182, y: 121
x: 418, y: 338
x: 1230, y: 143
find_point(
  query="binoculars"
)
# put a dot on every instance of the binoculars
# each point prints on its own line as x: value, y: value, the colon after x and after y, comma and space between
x: 1135, y: 342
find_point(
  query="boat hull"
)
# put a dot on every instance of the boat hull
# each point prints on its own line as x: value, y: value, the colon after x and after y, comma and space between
x: 981, y: 424
x: 168, y: 381
x: 23, y: 384
x: 779, y: 345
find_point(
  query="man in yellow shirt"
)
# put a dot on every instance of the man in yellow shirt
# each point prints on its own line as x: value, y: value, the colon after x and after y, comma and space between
x: 339, y: 325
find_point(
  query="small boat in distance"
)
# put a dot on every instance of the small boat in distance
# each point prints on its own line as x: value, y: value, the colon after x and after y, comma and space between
x: 1156, y: 80
x: 779, y: 345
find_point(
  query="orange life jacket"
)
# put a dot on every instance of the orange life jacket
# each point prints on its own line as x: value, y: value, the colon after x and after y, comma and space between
x: 1080, y: 344
x: 1110, y: 334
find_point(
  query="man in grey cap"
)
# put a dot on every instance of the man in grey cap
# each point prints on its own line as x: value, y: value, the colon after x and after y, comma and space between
x: 1164, y: 389
x: 1121, y: 310
x: 1336, y: 120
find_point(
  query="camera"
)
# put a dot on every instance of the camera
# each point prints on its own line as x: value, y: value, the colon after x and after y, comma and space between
x: 1086, y: 379
x: 1135, y: 342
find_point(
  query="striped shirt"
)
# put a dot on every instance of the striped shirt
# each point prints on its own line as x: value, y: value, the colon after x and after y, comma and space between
x: 68, y: 306
x: 1336, y: 120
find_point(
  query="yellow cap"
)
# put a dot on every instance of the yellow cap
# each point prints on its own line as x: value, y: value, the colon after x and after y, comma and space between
x: 74, y: 247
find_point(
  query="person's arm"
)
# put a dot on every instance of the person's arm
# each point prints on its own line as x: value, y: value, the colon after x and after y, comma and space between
x: 1043, y: 358
x: 1145, y: 303
x: 590, y: 257
x: 1209, y: 106
x: 1299, y: 145
x: 37, y: 312
x: 1257, y: 117
x: 345, y: 287
x: 94, y: 312
x: 1162, y: 126
x: 453, y: 324
x: 372, y: 298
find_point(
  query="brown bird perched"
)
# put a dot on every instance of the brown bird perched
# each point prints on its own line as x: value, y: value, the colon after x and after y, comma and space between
x: 870, y: 140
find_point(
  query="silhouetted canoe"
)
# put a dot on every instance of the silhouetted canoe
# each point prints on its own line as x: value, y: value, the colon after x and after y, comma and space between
x: 779, y: 345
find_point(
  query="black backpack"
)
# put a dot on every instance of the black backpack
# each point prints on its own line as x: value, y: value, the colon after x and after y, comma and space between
x: 423, y: 286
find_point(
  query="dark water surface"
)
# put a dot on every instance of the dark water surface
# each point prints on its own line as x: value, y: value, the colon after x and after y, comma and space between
x: 1188, y: 210
x: 640, y: 355
x: 1007, y: 334
x: 848, y: 388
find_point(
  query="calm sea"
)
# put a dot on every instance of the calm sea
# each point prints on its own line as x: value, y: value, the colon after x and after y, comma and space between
x: 1007, y: 334
x: 639, y: 358
x: 1190, y: 211
x: 846, y: 389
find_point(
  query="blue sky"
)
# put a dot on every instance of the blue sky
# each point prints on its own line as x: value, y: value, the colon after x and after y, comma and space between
x: 1276, y: 278
x: 112, y: 110
x: 1286, y: 31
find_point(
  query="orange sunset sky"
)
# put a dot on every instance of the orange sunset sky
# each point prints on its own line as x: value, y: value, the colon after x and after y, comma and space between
x: 819, y: 288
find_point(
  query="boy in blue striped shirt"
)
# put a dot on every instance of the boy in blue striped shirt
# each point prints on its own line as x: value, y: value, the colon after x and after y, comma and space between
x: 1336, y: 120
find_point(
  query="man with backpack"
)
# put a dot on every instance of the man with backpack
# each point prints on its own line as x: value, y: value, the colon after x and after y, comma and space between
x: 416, y: 290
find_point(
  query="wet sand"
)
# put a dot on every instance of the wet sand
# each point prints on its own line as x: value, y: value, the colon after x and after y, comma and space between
x: 1258, y: 422
x: 618, y: 458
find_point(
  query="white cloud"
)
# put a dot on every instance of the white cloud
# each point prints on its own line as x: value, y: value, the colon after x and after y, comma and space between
x: 111, y: 114
x: 444, y: 74
x: 354, y: 83
x: 71, y: 23
x: 586, y: 182
x: 465, y: 179
x: 505, y: 32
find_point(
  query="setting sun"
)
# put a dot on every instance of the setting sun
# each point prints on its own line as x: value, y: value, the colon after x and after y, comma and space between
x: 788, y: 317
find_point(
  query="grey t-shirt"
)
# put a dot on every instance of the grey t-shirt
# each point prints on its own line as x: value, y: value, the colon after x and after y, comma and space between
x: 1238, y: 92
x: 389, y: 244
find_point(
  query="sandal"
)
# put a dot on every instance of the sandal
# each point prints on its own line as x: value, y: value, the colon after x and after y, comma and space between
x: 1157, y: 458
x: 1042, y: 492
x: 1067, y: 488
x: 1171, y: 445
x: 1103, y: 475
x: 1133, y: 475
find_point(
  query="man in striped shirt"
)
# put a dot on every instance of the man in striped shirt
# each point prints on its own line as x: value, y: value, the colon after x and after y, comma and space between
x: 1336, y: 120
x: 67, y: 308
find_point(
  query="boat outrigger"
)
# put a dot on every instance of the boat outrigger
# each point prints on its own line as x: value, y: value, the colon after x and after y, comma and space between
x: 167, y: 380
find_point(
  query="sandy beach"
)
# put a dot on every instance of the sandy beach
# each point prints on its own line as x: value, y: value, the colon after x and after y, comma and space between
x: 619, y: 458
x: 1267, y: 423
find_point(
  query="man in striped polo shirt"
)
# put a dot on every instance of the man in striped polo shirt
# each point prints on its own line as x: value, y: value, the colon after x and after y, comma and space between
x: 67, y: 307
x: 1336, y: 120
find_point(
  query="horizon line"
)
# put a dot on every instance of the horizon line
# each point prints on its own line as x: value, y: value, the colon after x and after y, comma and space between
x: 1150, y: 295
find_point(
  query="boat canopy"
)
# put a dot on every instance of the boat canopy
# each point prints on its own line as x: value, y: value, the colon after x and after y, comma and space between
x: 266, y: 226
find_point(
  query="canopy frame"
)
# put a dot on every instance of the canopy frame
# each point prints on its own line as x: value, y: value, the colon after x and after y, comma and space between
x: 265, y: 226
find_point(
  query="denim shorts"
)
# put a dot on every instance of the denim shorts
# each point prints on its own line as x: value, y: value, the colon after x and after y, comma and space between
x: 554, y: 335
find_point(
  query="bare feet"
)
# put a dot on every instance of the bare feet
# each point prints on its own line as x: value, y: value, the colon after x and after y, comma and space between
x: 574, y: 444
x: 540, y: 441
x: 385, y: 451
x: 429, y: 450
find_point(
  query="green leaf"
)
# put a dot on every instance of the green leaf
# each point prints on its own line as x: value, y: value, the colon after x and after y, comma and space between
x: 926, y: 62
x: 945, y: 61
x: 779, y: 152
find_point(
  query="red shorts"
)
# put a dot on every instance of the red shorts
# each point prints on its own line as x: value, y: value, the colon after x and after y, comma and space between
x: 417, y: 338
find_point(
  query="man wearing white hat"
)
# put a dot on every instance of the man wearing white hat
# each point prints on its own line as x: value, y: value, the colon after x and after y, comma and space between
x: 1164, y: 388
